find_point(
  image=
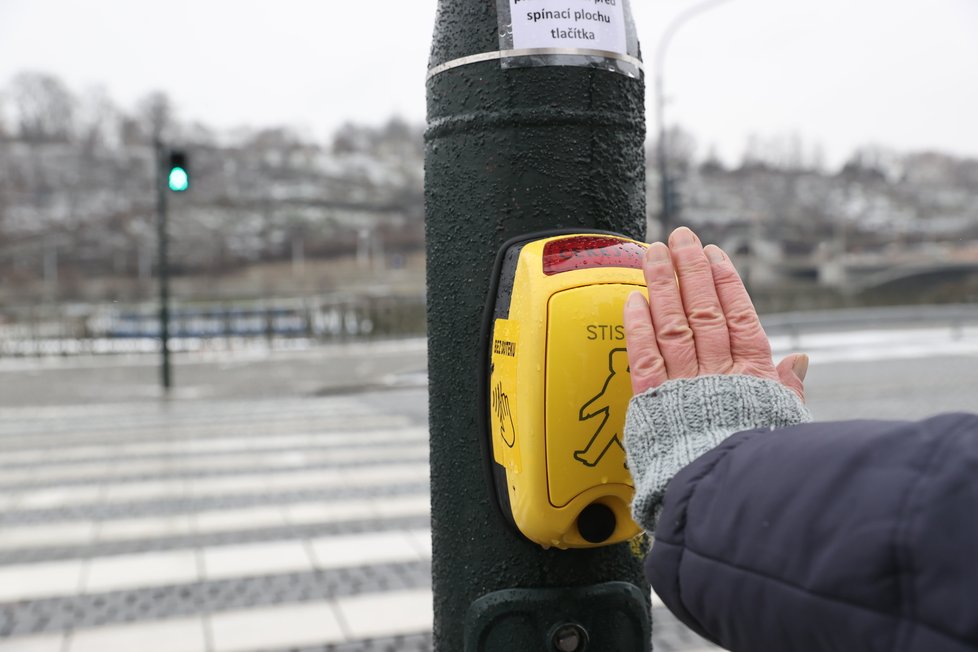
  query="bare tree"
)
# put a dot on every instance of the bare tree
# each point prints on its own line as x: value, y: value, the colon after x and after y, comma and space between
x: 350, y: 138
x: 6, y: 183
x: 871, y: 164
x: 753, y: 155
x: 156, y: 114
x: 99, y: 120
x: 3, y: 116
x: 44, y: 106
x: 681, y: 150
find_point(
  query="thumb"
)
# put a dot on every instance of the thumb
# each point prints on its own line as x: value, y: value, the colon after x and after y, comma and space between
x: 792, y: 371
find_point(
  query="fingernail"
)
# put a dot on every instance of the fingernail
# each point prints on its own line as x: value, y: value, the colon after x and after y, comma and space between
x: 658, y: 252
x: 800, y: 366
x: 714, y: 253
x: 682, y: 237
x: 635, y: 300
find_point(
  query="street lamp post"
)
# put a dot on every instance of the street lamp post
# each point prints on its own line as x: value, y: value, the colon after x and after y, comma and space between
x: 667, y: 214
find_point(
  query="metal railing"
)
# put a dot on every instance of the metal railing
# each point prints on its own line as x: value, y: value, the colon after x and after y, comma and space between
x: 283, y: 323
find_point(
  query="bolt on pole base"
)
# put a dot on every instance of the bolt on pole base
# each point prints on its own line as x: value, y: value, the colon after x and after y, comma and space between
x: 609, y: 616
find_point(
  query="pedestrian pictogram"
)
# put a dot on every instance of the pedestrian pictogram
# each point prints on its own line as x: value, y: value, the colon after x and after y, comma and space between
x: 607, y: 409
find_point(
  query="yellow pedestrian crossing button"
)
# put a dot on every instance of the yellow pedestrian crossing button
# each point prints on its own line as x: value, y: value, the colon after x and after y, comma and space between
x: 558, y: 387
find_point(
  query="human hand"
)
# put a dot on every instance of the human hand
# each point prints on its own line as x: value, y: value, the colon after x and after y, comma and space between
x: 702, y: 324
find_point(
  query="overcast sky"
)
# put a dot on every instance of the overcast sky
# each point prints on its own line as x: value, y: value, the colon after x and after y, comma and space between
x: 902, y: 73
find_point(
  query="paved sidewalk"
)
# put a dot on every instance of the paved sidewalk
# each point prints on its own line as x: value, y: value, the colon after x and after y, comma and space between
x: 213, y: 525
x: 220, y: 526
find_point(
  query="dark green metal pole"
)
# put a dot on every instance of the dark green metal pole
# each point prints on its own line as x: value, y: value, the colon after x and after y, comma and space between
x: 162, y: 268
x: 512, y: 151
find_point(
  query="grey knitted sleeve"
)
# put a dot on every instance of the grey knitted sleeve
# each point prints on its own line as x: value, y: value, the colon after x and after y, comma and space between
x: 671, y: 425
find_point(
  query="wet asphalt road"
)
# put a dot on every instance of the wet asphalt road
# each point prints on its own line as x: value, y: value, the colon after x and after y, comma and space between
x: 907, y: 388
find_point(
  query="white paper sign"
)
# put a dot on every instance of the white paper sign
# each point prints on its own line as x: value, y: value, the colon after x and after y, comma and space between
x: 589, y: 24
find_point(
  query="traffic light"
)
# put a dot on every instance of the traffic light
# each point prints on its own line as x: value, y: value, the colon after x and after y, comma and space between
x: 178, y: 178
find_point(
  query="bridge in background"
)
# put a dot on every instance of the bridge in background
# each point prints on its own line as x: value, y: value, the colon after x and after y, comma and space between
x: 855, y: 273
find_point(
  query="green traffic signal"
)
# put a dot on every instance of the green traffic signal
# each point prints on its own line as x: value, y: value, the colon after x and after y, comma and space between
x: 178, y: 180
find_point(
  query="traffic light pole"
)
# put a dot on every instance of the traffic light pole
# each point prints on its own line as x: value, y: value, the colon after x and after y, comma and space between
x: 162, y: 268
x: 510, y: 151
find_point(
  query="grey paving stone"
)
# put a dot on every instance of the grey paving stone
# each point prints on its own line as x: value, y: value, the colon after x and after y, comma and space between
x: 43, y: 434
x: 112, y: 548
x: 405, y: 643
x: 220, y: 472
x: 670, y: 635
x: 98, y: 512
x: 176, y: 457
x: 141, y: 605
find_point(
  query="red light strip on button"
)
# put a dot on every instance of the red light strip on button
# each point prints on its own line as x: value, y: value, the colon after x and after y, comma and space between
x: 586, y: 251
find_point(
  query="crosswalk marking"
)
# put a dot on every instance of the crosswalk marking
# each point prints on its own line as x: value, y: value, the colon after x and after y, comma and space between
x: 142, y: 570
x: 78, y: 533
x: 151, y: 569
x: 352, y: 476
x: 289, y: 624
x: 178, y: 635
x: 387, y: 613
x: 40, y: 643
x: 53, y: 534
x: 280, y: 626
x: 265, y: 558
x: 155, y: 432
x: 223, y: 451
x: 31, y: 581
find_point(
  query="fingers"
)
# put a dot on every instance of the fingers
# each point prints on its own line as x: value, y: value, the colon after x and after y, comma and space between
x: 701, y: 304
x: 748, y: 342
x: 792, y: 371
x: 672, y: 332
x: 645, y: 364
x: 702, y: 320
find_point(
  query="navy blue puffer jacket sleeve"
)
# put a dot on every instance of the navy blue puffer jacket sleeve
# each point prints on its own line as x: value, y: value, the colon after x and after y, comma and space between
x: 857, y: 536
